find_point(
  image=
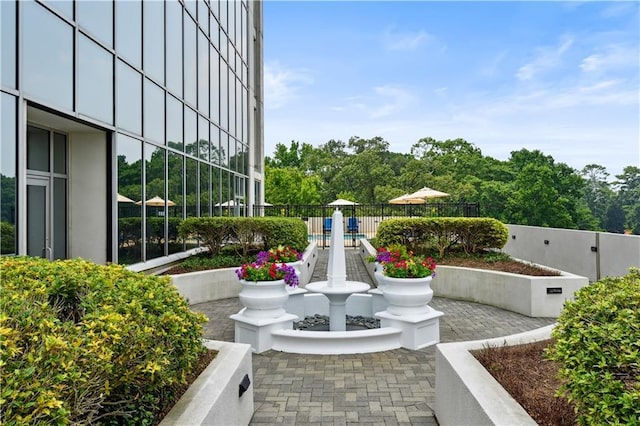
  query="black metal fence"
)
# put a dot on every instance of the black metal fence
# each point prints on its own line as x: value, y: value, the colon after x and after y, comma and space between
x: 361, y: 220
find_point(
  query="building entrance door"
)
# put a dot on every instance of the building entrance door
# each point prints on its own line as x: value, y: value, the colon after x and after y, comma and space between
x: 46, y: 193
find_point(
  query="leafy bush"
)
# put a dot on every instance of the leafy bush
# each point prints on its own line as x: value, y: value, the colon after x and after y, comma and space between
x: 598, y: 347
x: 83, y: 343
x: 444, y: 233
x: 250, y: 232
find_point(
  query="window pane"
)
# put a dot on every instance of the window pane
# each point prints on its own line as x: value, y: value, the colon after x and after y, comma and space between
x: 190, y: 66
x: 174, y: 47
x: 153, y: 112
x: 176, y: 194
x: 64, y: 6
x: 153, y: 14
x: 215, y: 192
x: 191, y: 6
x: 37, y: 149
x: 129, y: 30
x: 205, y: 194
x: 203, y: 73
x: 203, y: 138
x: 59, y: 218
x: 232, y: 104
x: 232, y: 155
x: 95, y: 81
x: 8, y: 43
x: 154, y: 174
x: 214, y: 144
x: 224, y: 149
x: 129, y: 214
x: 214, y: 32
x: 224, y: 97
x: 190, y: 132
x: 129, y: 108
x: 97, y: 18
x: 59, y: 153
x: 215, y: 86
x: 9, y: 135
x: 192, y: 187
x: 174, y: 123
x: 48, y: 56
x: 203, y: 17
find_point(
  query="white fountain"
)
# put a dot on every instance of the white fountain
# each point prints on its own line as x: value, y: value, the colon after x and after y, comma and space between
x: 344, y: 296
x: 337, y: 289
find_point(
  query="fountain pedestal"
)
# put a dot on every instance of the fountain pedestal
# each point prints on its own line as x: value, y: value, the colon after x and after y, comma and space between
x: 338, y: 300
x: 337, y: 289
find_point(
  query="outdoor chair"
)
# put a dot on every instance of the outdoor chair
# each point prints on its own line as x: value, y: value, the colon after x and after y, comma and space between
x: 352, y: 225
x: 327, y: 225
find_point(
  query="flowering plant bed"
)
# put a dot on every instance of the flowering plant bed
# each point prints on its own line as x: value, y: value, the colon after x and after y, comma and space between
x: 397, y: 262
x: 264, y: 270
x: 282, y: 254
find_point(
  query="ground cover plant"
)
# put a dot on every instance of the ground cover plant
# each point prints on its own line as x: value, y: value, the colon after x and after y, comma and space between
x: 84, y: 343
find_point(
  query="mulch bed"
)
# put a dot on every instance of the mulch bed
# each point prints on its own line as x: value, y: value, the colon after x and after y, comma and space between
x: 530, y: 379
x: 511, y: 266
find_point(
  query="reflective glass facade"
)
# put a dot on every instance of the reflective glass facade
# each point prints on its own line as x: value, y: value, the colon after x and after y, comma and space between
x: 171, y: 87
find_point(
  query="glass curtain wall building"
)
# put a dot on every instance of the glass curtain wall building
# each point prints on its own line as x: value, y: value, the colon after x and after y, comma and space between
x: 122, y: 118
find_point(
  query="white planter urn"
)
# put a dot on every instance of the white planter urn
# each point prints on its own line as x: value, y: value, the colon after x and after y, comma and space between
x: 263, y: 299
x: 407, y: 296
x: 378, y: 276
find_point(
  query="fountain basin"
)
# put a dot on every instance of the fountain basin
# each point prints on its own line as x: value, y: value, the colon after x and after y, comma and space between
x: 338, y: 296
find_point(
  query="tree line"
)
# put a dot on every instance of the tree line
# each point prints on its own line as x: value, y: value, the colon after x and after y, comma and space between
x: 530, y: 188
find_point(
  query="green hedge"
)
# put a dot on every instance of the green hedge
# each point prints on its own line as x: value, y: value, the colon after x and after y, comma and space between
x: 265, y: 232
x: 83, y: 343
x: 598, y: 348
x: 444, y: 233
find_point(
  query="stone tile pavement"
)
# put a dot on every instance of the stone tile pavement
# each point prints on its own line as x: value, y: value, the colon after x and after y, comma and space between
x: 384, y: 388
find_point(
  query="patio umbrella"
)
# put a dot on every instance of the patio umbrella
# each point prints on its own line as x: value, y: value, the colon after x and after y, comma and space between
x: 229, y: 203
x: 407, y: 199
x: 427, y: 193
x: 123, y: 199
x: 342, y: 202
x: 157, y: 202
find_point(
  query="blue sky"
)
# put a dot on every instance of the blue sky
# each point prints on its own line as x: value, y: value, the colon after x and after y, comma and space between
x: 561, y: 77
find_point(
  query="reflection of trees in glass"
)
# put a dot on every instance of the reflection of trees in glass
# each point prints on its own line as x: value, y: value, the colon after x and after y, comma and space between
x: 8, y: 199
x: 129, y: 214
x: 239, y: 160
x: 175, y: 194
x: 191, y: 196
x: 205, y: 194
x: 154, y: 225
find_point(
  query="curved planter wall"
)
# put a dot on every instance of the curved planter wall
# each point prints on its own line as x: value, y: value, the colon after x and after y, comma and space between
x: 524, y: 294
x: 467, y: 394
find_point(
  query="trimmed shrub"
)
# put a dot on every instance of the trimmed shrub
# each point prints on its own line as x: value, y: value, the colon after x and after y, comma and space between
x: 444, y: 233
x: 7, y: 238
x: 84, y: 343
x: 260, y: 232
x: 598, y: 348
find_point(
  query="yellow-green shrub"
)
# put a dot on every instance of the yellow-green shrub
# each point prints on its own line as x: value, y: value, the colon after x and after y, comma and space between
x: 598, y: 348
x: 84, y: 343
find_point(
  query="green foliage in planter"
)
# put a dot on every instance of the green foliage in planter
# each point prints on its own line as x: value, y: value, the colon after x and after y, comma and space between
x: 598, y: 348
x: 444, y: 233
x: 249, y: 232
x: 83, y: 343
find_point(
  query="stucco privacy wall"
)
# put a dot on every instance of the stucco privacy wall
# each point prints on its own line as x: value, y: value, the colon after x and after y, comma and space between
x: 88, y: 196
x: 591, y: 254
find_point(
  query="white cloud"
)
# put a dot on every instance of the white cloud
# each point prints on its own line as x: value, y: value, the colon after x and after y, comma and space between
x: 404, y: 41
x: 546, y: 58
x: 611, y: 57
x: 382, y: 101
x: 282, y: 85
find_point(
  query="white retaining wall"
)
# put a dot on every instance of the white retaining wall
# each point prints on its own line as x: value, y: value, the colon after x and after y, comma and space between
x: 591, y: 254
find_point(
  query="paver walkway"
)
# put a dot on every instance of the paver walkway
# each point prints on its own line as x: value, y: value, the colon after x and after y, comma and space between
x: 384, y: 388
